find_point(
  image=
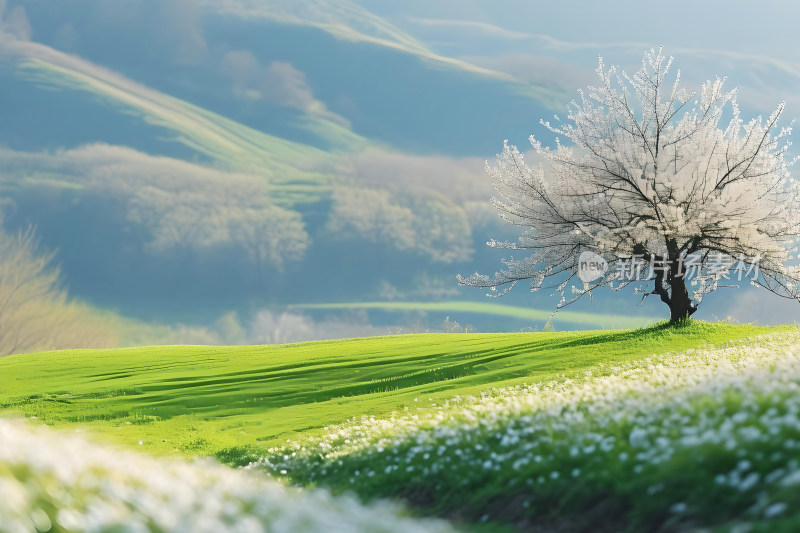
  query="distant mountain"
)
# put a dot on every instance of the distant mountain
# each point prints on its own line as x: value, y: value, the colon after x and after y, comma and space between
x: 186, y: 158
x: 221, y: 55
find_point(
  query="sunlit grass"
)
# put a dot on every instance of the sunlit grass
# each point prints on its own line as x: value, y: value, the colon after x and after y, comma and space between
x: 694, y: 424
x: 688, y: 439
x: 236, y: 402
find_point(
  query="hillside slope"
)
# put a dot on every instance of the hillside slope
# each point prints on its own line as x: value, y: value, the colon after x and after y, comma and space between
x: 692, y: 440
x: 236, y: 402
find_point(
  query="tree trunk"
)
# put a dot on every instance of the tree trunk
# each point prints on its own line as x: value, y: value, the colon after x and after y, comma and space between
x: 680, y: 304
x: 672, y: 291
x: 677, y: 295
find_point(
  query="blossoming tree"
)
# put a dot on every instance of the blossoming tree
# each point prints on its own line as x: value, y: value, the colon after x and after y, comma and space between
x: 668, y: 190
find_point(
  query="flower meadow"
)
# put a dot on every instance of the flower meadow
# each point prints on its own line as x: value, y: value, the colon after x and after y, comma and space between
x: 62, y: 483
x: 702, y: 438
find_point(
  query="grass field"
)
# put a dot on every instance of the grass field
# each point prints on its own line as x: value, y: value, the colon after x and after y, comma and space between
x: 697, y: 440
x: 663, y: 428
x: 236, y: 402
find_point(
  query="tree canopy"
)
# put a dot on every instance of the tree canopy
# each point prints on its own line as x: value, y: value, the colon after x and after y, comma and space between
x: 660, y: 187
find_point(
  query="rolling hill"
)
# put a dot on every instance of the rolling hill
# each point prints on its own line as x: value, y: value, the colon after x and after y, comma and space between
x: 207, y: 400
x: 669, y: 427
x: 191, y: 159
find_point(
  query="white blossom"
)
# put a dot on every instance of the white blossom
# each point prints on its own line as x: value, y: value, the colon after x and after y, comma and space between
x: 645, y: 175
x: 50, y: 480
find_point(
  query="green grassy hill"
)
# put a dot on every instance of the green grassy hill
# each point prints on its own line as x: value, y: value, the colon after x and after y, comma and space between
x: 656, y: 429
x: 236, y: 402
x: 703, y: 439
